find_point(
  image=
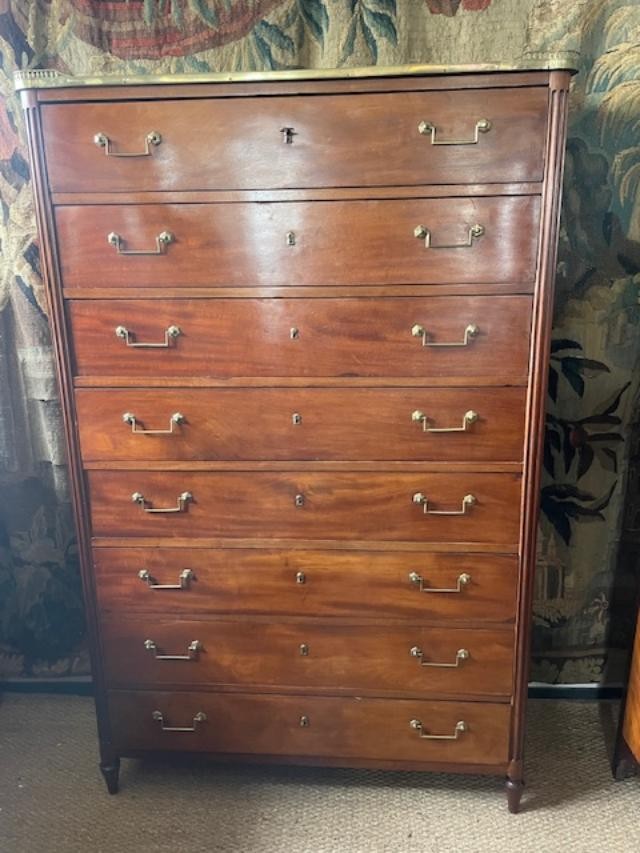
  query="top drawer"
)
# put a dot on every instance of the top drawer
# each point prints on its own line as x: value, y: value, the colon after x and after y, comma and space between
x: 368, y: 140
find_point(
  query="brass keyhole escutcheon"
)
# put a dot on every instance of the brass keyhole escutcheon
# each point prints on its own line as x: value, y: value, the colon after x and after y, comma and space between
x: 296, y: 419
x: 287, y: 134
x: 294, y: 333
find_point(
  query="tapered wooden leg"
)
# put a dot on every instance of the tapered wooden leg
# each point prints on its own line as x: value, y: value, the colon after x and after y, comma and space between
x: 514, y: 788
x: 110, y: 770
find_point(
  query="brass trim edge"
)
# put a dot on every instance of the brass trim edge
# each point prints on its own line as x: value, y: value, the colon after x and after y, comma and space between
x: 45, y: 78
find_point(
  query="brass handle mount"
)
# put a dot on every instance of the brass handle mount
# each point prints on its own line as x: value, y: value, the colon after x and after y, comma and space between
x: 467, y: 502
x: 170, y: 334
x: 186, y: 576
x: 181, y: 506
x: 192, y: 651
x: 198, y: 718
x: 175, y: 419
x: 427, y: 128
x: 461, y: 655
x: 471, y: 331
x: 460, y: 728
x: 151, y: 139
x: 423, y: 233
x: 464, y: 579
x: 468, y: 418
x: 162, y: 241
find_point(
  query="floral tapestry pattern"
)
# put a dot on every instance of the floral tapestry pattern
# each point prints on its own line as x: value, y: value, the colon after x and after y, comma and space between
x: 589, y: 543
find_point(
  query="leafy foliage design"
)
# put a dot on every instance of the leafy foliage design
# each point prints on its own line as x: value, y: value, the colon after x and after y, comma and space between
x: 374, y: 20
x: 573, y: 445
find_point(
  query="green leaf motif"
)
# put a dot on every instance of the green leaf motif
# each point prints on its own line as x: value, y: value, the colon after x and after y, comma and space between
x: 389, y: 5
x: 382, y: 24
x: 274, y: 35
x: 315, y: 17
x: 372, y: 44
x: 204, y: 11
x: 350, y: 40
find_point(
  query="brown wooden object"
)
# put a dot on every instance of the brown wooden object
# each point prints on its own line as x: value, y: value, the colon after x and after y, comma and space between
x: 301, y: 328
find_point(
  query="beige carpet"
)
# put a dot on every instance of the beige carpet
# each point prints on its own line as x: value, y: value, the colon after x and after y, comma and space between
x: 52, y: 798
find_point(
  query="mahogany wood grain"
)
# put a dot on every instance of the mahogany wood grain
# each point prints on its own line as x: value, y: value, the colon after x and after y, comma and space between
x: 310, y: 655
x: 311, y: 194
x: 301, y: 424
x: 346, y: 338
x: 631, y: 719
x: 336, y: 505
x: 337, y: 727
x: 335, y: 243
x: 366, y: 584
x: 228, y: 143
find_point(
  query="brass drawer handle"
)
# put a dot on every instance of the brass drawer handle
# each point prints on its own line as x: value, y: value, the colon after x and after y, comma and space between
x: 416, y: 652
x: 427, y: 128
x: 103, y: 141
x: 192, y: 651
x: 467, y: 501
x: 470, y: 332
x: 186, y: 576
x: 181, y: 506
x: 130, y: 418
x: 475, y: 232
x: 463, y: 580
x: 162, y: 241
x: 461, y: 728
x: 200, y: 717
x: 170, y: 333
x: 468, y: 418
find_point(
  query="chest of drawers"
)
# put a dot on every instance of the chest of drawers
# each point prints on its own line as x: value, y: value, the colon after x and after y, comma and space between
x: 301, y: 327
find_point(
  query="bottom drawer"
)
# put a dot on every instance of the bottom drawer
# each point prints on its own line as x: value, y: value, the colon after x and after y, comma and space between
x: 324, y: 727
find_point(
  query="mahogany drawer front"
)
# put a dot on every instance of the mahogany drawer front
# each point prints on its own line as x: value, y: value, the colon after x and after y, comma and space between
x: 343, y: 140
x: 408, y: 585
x: 412, y: 660
x: 309, y: 505
x: 352, y: 337
x: 321, y: 726
x: 301, y: 424
x: 301, y: 243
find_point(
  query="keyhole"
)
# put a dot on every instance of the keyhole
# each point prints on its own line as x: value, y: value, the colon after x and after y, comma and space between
x: 287, y: 134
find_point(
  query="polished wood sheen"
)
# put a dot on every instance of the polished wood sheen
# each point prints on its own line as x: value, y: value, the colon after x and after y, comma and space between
x: 346, y: 338
x: 232, y: 144
x: 301, y: 654
x: 301, y: 424
x: 277, y: 583
x: 335, y: 243
x: 318, y: 347
x: 335, y: 505
x: 351, y: 727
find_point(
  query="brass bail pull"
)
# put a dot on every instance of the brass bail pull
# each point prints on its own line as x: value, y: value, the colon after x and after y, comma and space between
x: 181, y: 506
x: 464, y: 579
x: 467, y: 502
x: 427, y: 128
x: 460, y: 728
x: 192, y: 651
x: 170, y: 334
x: 461, y: 655
x: 151, y: 140
x: 468, y: 418
x: 471, y: 331
x: 186, y: 576
x: 129, y: 418
x: 162, y: 241
x: 423, y: 233
x: 198, y: 718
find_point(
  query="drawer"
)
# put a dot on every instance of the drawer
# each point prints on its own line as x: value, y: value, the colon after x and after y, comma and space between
x: 410, y: 660
x: 469, y: 424
x: 230, y: 338
x: 343, y: 140
x: 339, y: 506
x: 284, y: 244
x: 322, y: 726
x: 406, y: 585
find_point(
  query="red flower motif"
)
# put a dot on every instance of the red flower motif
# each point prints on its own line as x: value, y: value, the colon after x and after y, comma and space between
x: 450, y: 7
